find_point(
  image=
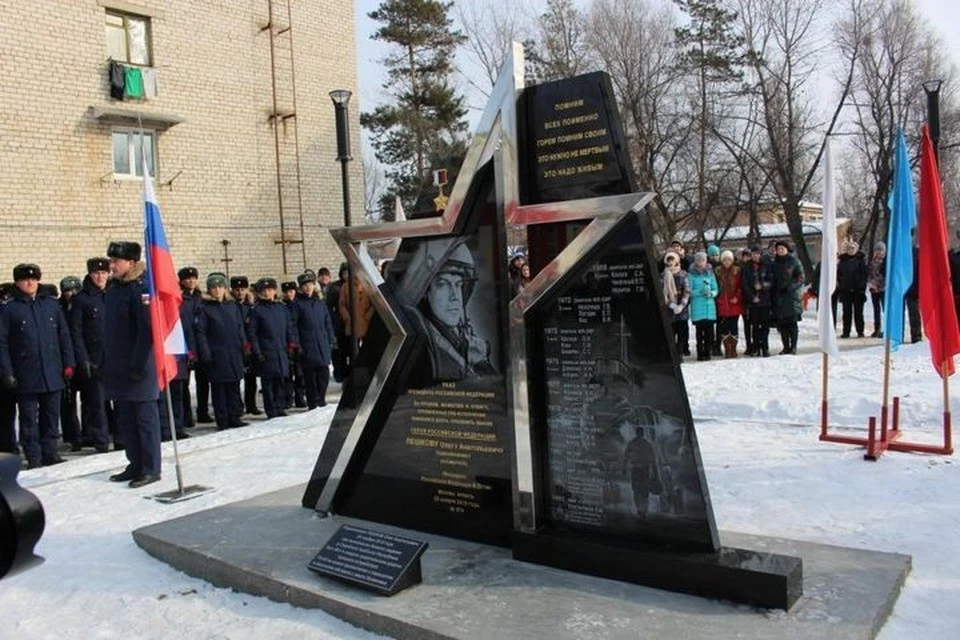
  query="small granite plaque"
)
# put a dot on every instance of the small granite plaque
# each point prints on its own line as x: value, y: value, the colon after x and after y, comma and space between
x: 374, y: 560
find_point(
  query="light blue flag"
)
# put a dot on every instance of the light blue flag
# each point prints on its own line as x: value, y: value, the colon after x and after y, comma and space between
x: 903, y: 220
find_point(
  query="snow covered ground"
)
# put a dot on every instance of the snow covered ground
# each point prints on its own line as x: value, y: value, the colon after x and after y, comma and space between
x: 757, y: 422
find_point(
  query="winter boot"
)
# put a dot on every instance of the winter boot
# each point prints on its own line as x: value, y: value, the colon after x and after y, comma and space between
x: 729, y: 346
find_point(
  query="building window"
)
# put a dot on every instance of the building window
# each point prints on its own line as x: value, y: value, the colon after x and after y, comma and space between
x: 127, y: 146
x: 128, y: 38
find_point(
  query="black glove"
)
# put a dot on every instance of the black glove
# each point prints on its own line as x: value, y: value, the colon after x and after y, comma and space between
x: 135, y: 374
x: 9, y: 382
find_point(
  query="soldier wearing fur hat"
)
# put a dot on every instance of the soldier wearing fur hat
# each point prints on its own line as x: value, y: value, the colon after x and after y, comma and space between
x: 240, y: 288
x: 36, y: 362
x: 69, y: 423
x: 296, y: 392
x: 189, y: 278
x: 342, y: 350
x: 129, y: 370
x: 314, y: 329
x: 221, y: 343
x: 8, y: 401
x: 272, y: 336
x: 88, y: 330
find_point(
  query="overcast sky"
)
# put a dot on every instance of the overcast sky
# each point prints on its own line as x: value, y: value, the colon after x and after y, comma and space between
x: 944, y: 15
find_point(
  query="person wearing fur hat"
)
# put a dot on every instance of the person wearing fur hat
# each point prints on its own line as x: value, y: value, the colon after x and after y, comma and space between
x: 221, y: 341
x: 703, y: 307
x: 788, y: 281
x: 852, y: 287
x: 129, y: 370
x: 69, y: 422
x: 314, y: 329
x: 676, y: 296
x: 36, y: 363
x: 190, y: 290
x: 341, y: 351
x: 88, y: 329
x: 876, y: 283
x: 729, y: 303
x: 240, y: 289
x: 272, y: 336
x: 296, y: 391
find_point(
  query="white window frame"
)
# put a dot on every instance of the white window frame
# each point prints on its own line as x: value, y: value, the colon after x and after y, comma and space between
x: 131, y: 152
x: 125, y: 16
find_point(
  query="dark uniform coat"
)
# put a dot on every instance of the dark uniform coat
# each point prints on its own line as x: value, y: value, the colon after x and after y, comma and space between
x: 129, y: 369
x: 270, y: 331
x: 35, y: 345
x: 219, y: 332
x: 88, y: 325
x: 787, y: 283
x: 314, y: 329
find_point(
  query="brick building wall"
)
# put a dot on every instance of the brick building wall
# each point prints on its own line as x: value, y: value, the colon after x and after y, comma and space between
x: 60, y: 202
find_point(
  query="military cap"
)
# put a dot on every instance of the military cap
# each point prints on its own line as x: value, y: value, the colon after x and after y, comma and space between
x: 216, y: 279
x: 239, y: 282
x: 98, y: 264
x: 70, y: 283
x: 305, y: 277
x: 26, y: 271
x: 124, y: 250
x: 266, y: 283
x: 289, y: 286
x: 48, y: 290
x: 188, y: 272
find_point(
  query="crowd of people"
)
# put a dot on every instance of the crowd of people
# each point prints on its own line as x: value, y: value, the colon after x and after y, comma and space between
x: 92, y: 339
x: 716, y: 290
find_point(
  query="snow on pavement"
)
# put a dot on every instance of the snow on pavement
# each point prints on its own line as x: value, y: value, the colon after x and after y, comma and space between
x: 757, y: 421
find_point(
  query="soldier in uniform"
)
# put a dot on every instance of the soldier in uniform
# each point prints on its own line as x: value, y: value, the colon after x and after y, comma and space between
x: 240, y: 288
x: 271, y: 334
x: 129, y: 370
x: 8, y: 401
x: 36, y: 361
x: 315, y: 331
x: 342, y: 349
x: 88, y: 329
x: 296, y: 394
x: 220, y: 337
x: 323, y: 281
x: 69, y: 423
x: 188, y: 311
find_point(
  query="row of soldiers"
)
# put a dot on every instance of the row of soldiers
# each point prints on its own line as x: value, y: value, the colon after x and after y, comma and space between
x: 96, y: 341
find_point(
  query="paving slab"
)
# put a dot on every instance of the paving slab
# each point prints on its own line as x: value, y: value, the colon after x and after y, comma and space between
x: 471, y: 591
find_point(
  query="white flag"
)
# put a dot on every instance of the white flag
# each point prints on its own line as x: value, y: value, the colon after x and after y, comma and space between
x: 828, y: 259
x: 398, y: 213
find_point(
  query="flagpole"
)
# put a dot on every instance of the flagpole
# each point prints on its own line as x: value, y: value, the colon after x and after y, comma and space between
x: 886, y: 390
x: 173, y: 436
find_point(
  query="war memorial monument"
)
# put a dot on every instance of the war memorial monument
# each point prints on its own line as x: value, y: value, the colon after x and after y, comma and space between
x: 528, y: 466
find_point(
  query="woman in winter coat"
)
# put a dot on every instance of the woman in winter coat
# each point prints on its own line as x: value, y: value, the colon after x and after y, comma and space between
x: 221, y: 344
x: 758, y: 294
x: 787, y: 287
x: 703, y: 308
x: 852, y: 286
x: 729, y: 303
x: 676, y: 295
x: 876, y: 282
x: 272, y: 336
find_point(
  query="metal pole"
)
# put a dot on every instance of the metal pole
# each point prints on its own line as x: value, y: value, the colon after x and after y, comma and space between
x: 276, y: 134
x: 351, y: 289
x: 296, y: 133
x: 932, y: 89
x: 173, y: 437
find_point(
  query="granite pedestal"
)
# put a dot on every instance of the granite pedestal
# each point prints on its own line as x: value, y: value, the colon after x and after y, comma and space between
x: 472, y: 590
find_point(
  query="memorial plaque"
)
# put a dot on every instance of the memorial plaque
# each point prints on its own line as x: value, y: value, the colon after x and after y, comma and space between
x: 620, y: 455
x: 436, y: 451
x: 374, y: 560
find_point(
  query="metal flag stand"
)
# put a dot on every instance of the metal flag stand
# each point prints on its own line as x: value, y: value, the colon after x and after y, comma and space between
x: 181, y: 493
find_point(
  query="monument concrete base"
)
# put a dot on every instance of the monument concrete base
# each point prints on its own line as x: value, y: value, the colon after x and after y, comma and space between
x: 261, y: 546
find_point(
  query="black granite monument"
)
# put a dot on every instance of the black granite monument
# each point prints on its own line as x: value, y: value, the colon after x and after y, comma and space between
x: 556, y: 422
x: 21, y: 520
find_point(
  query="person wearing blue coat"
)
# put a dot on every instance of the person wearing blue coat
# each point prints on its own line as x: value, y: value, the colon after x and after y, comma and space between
x: 221, y: 342
x: 271, y: 334
x: 703, y: 288
x: 8, y: 400
x: 180, y: 384
x: 36, y: 361
x: 129, y: 368
x: 314, y: 328
x: 88, y: 330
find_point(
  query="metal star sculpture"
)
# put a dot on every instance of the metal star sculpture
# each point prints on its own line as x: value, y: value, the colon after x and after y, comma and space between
x: 495, y: 138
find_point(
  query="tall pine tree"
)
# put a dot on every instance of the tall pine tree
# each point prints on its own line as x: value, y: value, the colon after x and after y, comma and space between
x: 425, y: 122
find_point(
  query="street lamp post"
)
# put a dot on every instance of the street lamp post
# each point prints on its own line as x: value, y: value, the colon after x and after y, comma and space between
x: 341, y: 99
x: 932, y: 89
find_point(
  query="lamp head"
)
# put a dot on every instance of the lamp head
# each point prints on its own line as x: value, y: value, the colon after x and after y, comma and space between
x: 932, y: 86
x: 341, y: 97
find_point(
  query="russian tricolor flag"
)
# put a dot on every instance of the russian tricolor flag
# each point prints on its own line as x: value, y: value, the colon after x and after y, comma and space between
x: 164, y: 288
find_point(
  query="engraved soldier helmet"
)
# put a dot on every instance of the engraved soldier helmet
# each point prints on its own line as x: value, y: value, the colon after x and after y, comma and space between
x: 451, y: 254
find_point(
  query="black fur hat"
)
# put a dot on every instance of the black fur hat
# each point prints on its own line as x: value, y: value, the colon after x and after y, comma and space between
x: 124, y: 250
x: 71, y: 283
x: 288, y: 286
x: 188, y: 272
x: 26, y: 271
x: 98, y: 264
x: 266, y: 283
x: 48, y: 290
x: 305, y: 277
x: 239, y: 282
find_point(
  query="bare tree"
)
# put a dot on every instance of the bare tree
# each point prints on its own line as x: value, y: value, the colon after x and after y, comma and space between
x: 491, y: 29
x: 783, y: 53
x: 561, y: 49
x: 374, y: 187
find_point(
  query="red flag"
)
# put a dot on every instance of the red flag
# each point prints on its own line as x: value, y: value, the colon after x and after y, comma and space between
x: 936, y: 297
